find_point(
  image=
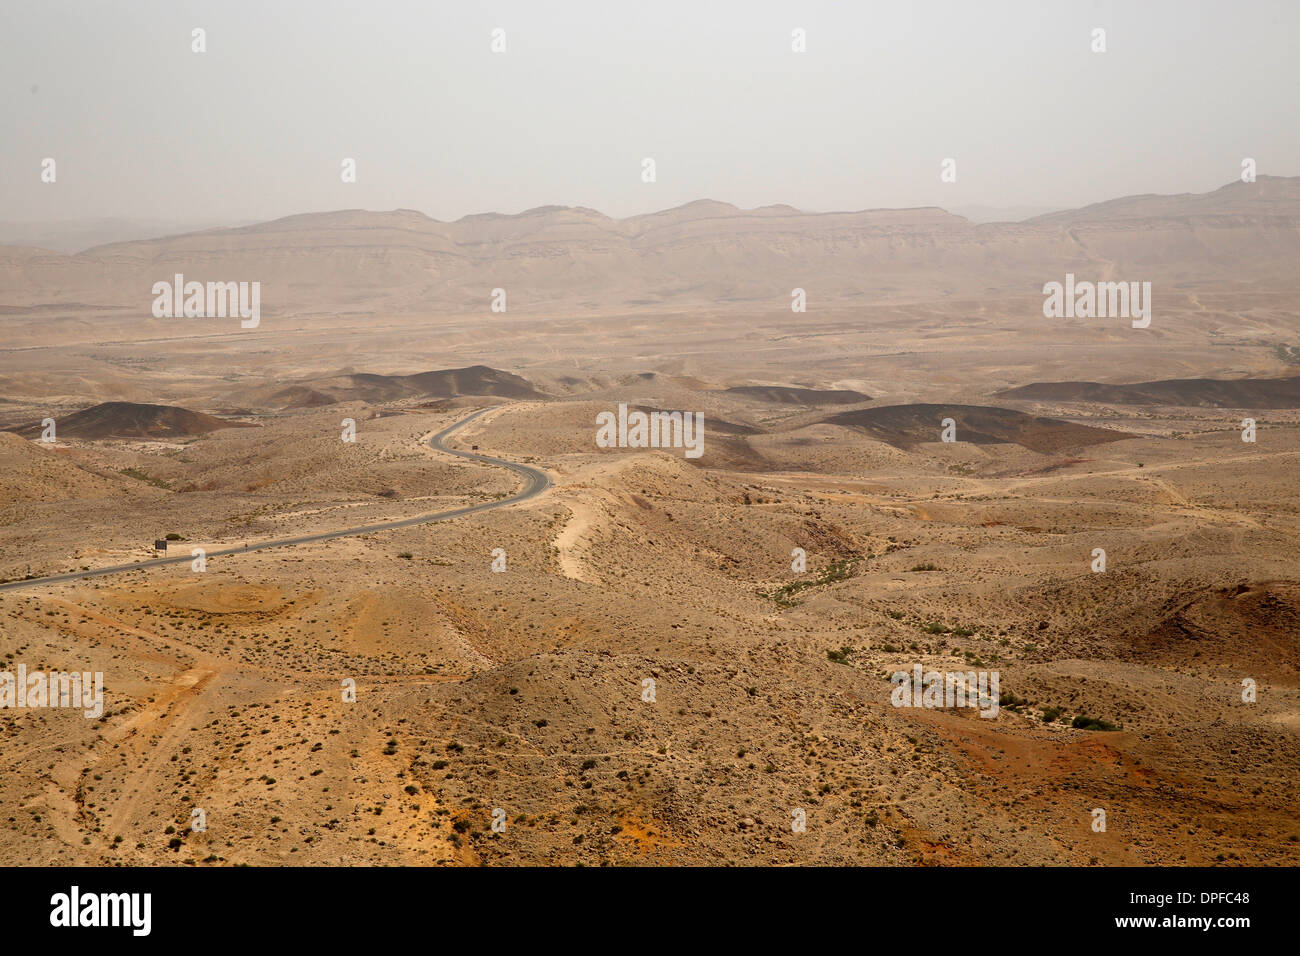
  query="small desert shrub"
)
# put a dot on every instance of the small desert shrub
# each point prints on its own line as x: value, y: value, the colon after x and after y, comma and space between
x: 1091, y: 723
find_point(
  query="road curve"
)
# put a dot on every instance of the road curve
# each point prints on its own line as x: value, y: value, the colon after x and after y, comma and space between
x: 536, y: 481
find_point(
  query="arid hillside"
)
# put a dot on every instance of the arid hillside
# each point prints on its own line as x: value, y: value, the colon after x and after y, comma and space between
x: 1220, y: 393
x: 907, y: 425
x: 134, y: 420
x: 522, y: 690
x: 370, y: 387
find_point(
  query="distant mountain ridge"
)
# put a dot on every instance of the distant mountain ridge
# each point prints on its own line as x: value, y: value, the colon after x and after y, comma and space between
x: 702, y: 254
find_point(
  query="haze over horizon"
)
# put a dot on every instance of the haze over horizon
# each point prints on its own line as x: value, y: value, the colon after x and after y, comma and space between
x: 439, y: 123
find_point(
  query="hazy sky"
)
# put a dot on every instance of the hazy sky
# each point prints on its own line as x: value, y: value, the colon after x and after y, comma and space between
x: 257, y: 126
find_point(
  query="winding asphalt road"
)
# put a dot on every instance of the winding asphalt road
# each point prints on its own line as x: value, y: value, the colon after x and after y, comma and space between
x: 536, y: 480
